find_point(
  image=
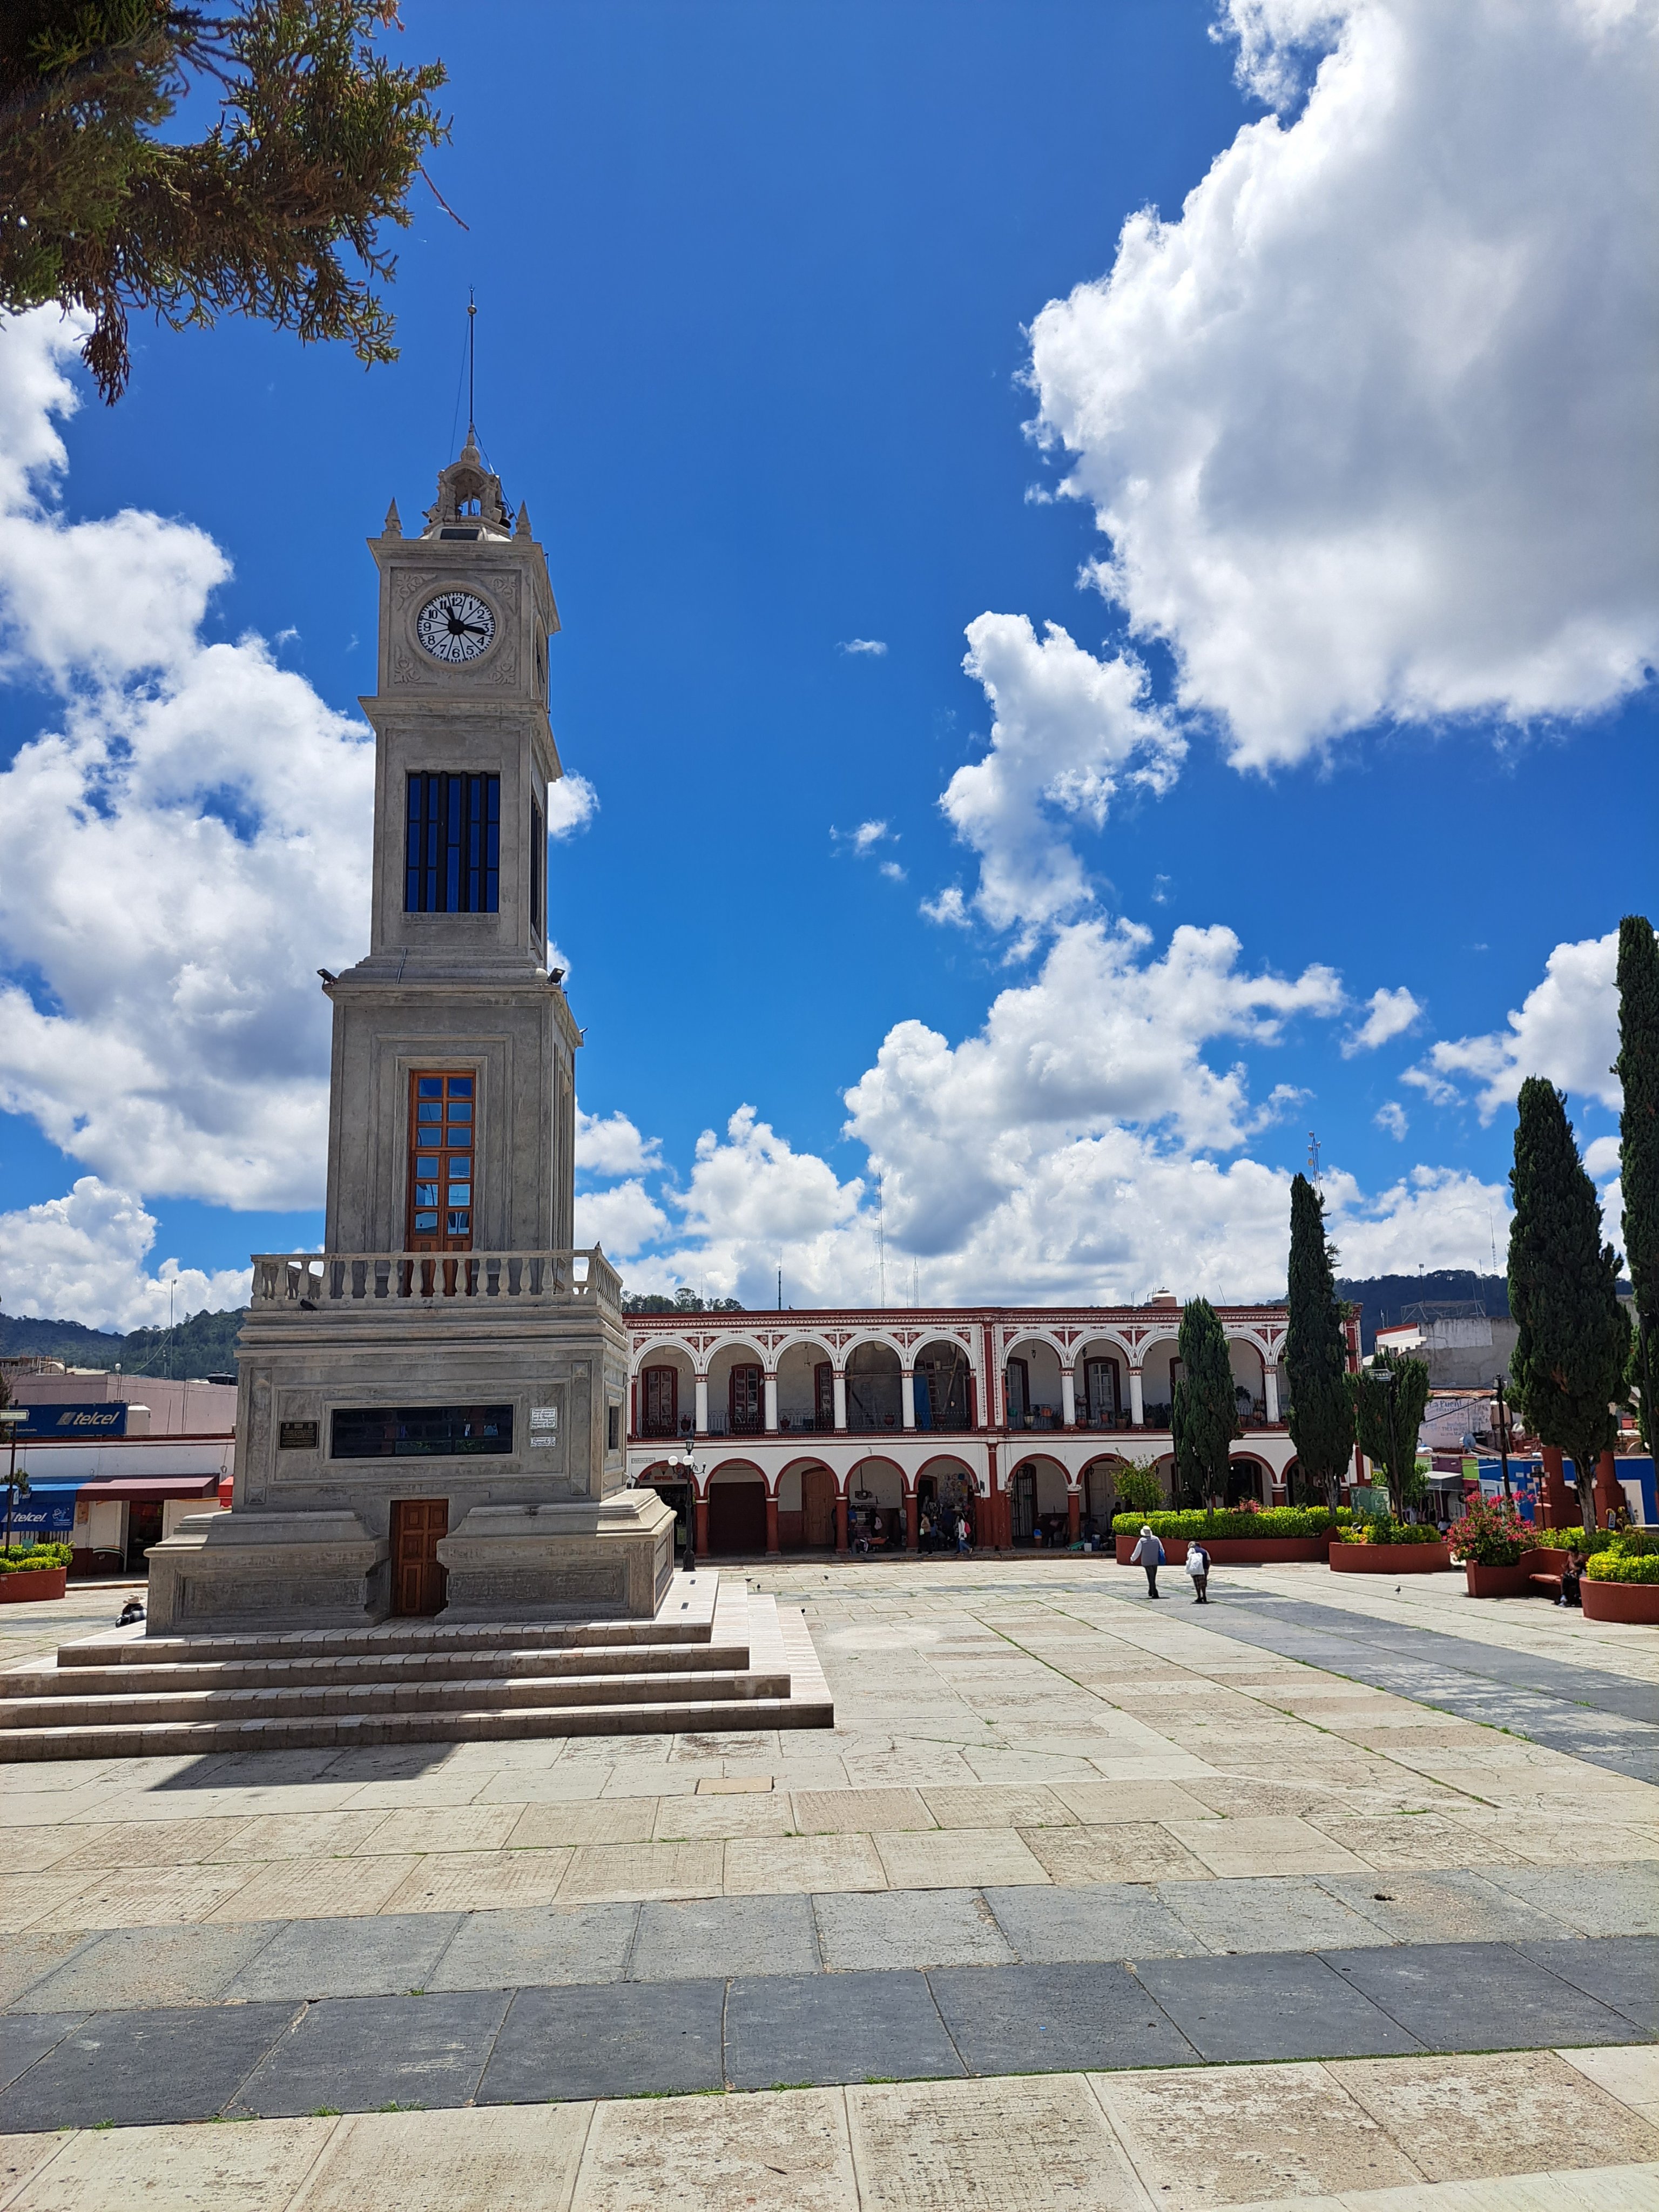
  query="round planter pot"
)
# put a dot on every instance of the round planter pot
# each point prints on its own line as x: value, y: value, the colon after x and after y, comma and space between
x: 33, y: 1583
x: 1389, y: 1559
x: 1496, y: 1582
x: 1636, y: 1604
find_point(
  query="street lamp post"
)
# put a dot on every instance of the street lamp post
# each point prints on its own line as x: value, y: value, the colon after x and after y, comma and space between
x: 14, y: 1417
x: 1504, y: 1437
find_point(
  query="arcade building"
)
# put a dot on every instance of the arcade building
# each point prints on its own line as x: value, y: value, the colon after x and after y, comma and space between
x: 833, y: 1430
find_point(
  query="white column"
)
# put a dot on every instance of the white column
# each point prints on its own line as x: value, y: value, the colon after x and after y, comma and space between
x: 1270, y: 1390
x: 770, y: 1387
x: 1137, y: 1403
x: 1068, y: 1397
x: 907, y: 1397
x: 838, y: 1384
x: 702, y: 1405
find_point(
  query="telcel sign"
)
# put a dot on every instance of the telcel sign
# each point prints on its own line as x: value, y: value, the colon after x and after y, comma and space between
x: 71, y: 1424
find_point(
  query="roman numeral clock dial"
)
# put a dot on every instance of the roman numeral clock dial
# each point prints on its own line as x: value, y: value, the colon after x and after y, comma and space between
x: 455, y: 626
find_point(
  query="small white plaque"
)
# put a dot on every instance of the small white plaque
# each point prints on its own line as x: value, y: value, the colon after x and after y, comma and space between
x: 543, y: 1425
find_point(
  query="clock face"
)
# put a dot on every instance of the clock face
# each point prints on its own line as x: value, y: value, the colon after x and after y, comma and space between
x: 456, y: 626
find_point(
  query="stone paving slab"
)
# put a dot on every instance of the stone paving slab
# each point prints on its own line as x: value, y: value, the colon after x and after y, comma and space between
x: 1461, y: 1997
x: 789, y: 2031
x: 761, y: 2030
x: 361, y: 2054
x: 1282, y: 2007
x: 369, y: 1957
x: 1392, y: 2134
x: 725, y: 1936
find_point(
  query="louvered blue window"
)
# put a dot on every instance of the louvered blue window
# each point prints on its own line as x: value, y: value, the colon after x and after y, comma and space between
x: 453, y: 855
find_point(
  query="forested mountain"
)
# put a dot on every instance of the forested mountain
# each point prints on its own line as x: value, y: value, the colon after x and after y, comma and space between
x: 203, y: 1344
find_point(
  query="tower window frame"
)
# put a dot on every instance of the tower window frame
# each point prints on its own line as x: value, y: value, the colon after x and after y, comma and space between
x: 537, y: 868
x: 453, y: 842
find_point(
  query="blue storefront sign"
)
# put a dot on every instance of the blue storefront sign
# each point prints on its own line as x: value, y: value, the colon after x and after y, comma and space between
x: 47, y: 1515
x: 72, y: 1423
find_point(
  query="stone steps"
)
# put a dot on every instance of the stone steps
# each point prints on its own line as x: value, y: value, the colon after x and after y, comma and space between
x: 717, y: 1658
x: 403, y: 1668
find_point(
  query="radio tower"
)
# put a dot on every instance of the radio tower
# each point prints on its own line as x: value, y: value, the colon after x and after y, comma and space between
x: 1313, y: 1161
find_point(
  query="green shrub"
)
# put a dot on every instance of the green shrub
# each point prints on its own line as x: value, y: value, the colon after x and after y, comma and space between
x: 1382, y: 1530
x: 1637, y: 1543
x: 1575, y: 1539
x: 28, y: 1559
x: 1228, y: 1524
x: 1621, y: 1566
x: 1138, y: 1490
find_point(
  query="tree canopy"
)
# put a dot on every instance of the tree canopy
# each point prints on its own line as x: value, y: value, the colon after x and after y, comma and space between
x: 1638, y: 1069
x: 1205, y: 1419
x: 1389, y: 1399
x: 106, y: 208
x: 1321, y: 1417
x: 1572, y: 1335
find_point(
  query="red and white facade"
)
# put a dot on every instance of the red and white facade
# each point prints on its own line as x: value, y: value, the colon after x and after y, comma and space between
x: 788, y: 1431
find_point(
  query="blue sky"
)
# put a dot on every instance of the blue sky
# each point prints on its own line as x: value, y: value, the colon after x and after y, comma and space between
x: 758, y: 294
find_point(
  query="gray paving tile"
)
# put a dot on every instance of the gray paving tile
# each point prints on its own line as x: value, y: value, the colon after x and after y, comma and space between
x: 1456, y: 1906
x: 25, y: 2037
x: 617, y: 2039
x: 26, y: 1961
x: 188, y: 1964
x: 1599, y: 1900
x: 361, y: 2054
x: 537, y: 1947
x: 1101, y: 1920
x: 1278, y: 2007
x: 1479, y: 1996
x: 175, y: 2063
x: 909, y: 1928
x: 816, y: 2029
x: 1268, y: 1913
x: 1621, y: 1972
x: 359, y: 1958
x: 723, y: 1936
x: 1052, y: 2019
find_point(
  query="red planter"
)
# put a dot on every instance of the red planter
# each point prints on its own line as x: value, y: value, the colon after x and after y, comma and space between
x: 1498, y: 1581
x: 1636, y: 1604
x: 33, y: 1583
x: 1389, y: 1559
x: 1235, y: 1551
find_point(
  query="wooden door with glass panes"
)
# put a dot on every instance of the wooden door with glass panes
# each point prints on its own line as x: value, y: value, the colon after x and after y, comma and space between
x: 442, y: 1161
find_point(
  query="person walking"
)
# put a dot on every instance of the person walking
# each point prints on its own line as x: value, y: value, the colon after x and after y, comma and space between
x: 1198, y: 1566
x: 1149, y: 1553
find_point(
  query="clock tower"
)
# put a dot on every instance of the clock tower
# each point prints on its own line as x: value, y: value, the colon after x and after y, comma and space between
x: 431, y: 1416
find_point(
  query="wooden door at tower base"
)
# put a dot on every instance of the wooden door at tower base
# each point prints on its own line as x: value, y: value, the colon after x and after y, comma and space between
x: 737, y: 1518
x: 419, y: 1580
x: 817, y: 1510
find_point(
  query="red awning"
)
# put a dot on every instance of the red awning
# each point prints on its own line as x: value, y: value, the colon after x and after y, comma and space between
x: 137, y: 1488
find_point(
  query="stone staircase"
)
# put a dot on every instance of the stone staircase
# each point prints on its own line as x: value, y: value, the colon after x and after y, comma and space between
x: 716, y: 1657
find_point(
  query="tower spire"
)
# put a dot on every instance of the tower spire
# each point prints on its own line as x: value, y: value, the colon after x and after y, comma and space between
x: 471, y: 349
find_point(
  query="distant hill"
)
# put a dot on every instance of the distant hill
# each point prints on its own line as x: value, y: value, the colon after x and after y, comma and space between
x: 203, y: 1344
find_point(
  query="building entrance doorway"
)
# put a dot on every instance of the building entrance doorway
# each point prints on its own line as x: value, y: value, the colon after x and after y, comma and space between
x: 737, y: 1518
x: 817, y: 1510
x: 1025, y: 1504
x: 419, y: 1579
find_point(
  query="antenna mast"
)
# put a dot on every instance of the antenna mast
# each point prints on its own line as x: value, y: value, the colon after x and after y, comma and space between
x: 1313, y: 1161
x: 472, y: 348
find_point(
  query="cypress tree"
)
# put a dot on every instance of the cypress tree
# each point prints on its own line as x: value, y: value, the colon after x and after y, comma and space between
x: 1389, y: 1418
x: 1205, y: 1419
x: 1638, y: 1069
x: 1572, y: 1336
x: 1320, y: 1417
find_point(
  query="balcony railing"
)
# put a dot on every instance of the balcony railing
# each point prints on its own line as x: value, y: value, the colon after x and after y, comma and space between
x: 308, y: 1282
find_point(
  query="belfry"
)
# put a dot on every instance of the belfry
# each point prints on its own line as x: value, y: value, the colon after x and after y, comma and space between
x: 431, y: 1411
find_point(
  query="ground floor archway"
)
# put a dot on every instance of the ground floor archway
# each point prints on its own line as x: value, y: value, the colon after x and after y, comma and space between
x: 737, y: 1512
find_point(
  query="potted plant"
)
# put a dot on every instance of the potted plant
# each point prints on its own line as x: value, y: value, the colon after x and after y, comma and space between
x: 1492, y: 1539
x: 33, y: 1570
x: 1621, y: 1581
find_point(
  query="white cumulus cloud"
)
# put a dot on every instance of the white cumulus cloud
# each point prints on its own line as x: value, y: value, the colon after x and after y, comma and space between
x: 1389, y: 1014
x: 84, y: 1257
x: 1070, y: 731
x: 1362, y: 423
x: 1391, y: 1117
x: 1566, y: 1029
x: 869, y: 648
x: 613, y: 1145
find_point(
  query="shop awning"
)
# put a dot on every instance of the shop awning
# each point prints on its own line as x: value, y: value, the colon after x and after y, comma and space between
x: 137, y: 1488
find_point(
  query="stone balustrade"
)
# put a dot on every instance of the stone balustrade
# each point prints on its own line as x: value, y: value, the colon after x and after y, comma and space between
x: 317, y: 1282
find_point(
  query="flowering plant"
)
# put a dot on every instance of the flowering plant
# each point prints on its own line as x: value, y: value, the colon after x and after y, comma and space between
x: 1492, y: 1533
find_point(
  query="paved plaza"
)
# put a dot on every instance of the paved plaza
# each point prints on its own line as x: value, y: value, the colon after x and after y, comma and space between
x: 1332, y: 1891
